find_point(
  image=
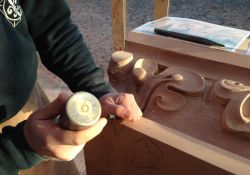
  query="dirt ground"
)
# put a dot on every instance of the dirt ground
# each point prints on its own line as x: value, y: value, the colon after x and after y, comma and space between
x: 93, y: 18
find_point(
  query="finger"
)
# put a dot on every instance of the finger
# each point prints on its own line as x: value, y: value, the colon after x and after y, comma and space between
x: 53, y: 109
x: 67, y: 137
x: 138, y: 114
x: 135, y: 113
x: 120, y: 111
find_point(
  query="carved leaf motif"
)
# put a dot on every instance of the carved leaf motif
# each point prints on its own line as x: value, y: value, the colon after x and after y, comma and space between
x: 177, y: 79
x: 170, y: 101
x: 154, y: 149
x: 236, y: 98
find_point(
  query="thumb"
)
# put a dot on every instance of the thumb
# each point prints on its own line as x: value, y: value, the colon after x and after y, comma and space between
x: 53, y: 109
x: 96, y: 129
x: 67, y: 137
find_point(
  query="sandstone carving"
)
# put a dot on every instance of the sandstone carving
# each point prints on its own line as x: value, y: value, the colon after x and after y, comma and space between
x: 170, y: 101
x: 185, y: 108
x: 177, y: 81
x: 143, y: 76
x: 119, y: 67
x: 236, y: 98
x: 122, y: 58
x: 144, y: 69
x: 161, y: 88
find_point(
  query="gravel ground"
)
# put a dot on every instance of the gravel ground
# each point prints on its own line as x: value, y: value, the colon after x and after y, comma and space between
x: 93, y: 18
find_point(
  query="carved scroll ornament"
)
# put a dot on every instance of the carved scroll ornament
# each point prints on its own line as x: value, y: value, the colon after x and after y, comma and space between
x: 236, y: 98
x: 169, y: 88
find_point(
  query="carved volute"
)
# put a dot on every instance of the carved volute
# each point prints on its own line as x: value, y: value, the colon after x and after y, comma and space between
x: 167, y: 89
x: 236, y: 98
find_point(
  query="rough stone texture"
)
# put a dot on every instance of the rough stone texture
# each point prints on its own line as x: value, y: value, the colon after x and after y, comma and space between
x: 94, y: 20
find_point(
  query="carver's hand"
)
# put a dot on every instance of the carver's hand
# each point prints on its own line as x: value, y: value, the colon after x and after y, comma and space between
x: 46, y: 138
x: 122, y: 105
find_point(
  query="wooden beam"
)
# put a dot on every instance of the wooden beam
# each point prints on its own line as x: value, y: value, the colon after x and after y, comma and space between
x: 211, y: 154
x: 118, y: 24
x: 161, y: 8
x: 146, y: 147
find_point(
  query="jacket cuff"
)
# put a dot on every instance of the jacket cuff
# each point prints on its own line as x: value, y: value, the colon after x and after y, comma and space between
x: 24, y: 156
x: 108, y: 89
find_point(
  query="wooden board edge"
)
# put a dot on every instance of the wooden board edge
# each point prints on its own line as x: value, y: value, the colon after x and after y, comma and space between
x: 194, y: 147
x: 161, y: 8
x: 191, y: 49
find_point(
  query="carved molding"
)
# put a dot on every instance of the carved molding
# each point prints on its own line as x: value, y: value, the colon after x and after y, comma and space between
x: 158, y: 88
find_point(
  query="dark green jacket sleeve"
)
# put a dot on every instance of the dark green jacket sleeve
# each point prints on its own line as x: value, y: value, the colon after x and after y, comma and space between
x: 15, y: 154
x: 63, y: 52
x: 61, y: 46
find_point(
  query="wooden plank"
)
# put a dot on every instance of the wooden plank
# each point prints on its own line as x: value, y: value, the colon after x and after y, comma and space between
x: 241, y: 59
x: 161, y: 8
x: 197, y: 148
x: 146, y: 146
x: 118, y: 24
x: 131, y: 149
x: 220, y: 70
